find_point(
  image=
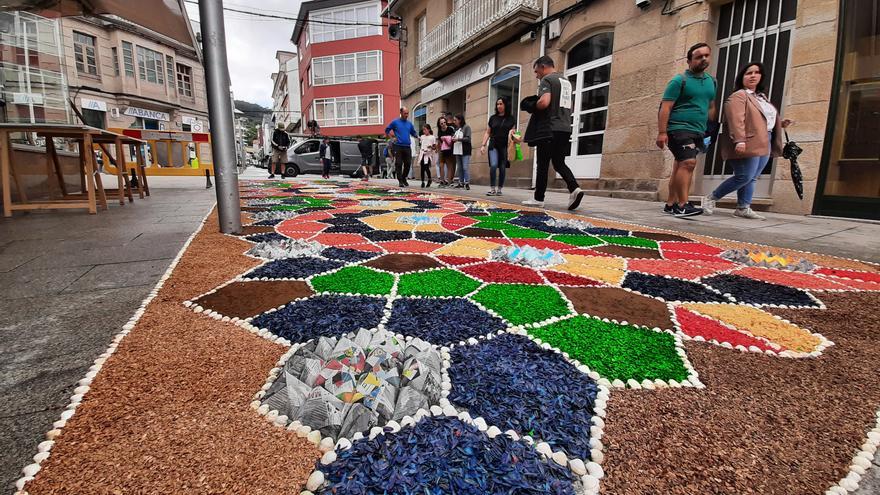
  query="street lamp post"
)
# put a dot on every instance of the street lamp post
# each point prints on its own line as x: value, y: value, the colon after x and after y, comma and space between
x: 220, y: 115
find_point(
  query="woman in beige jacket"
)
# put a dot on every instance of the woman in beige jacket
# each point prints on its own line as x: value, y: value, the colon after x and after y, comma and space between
x: 752, y: 134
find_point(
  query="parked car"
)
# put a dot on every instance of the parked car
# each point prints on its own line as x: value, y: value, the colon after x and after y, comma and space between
x: 302, y: 157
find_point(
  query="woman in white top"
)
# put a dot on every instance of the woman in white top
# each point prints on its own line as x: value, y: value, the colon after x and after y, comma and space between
x: 427, y: 152
x: 752, y: 135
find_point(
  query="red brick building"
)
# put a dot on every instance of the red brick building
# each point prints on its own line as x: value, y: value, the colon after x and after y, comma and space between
x: 349, y: 69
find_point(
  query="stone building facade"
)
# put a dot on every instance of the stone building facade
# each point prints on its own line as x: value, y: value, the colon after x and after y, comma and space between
x: 459, y: 55
x: 121, y: 75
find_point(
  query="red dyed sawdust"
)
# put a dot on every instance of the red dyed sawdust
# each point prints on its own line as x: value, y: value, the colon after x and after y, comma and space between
x: 764, y: 425
x: 504, y: 273
x: 851, y: 274
x: 696, y: 325
x: 340, y: 239
x: 689, y: 247
x: 695, y: 258
x: 410, y: 246
x: 458, y: 260
x: 169, y: 412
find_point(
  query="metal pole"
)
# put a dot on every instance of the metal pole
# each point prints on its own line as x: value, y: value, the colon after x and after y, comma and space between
x: 219, y: 114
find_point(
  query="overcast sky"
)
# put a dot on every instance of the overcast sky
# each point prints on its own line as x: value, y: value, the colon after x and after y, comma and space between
x: 251, y: 43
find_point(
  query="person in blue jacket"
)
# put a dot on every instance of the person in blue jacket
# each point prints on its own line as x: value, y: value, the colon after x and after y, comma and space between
x: 400, y: 130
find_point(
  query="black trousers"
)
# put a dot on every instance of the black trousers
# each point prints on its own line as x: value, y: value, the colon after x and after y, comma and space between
x: 553, y: 150
x: 326, y: 164
x: 403, y: 162
x: 426, y: 169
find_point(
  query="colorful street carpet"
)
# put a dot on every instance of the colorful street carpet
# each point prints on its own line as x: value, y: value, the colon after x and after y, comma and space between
x: 357, y: 339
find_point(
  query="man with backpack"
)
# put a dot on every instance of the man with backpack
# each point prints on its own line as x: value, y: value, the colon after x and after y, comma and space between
x: 549, y: 130
x: 687, y: 109
x: 280, y: 143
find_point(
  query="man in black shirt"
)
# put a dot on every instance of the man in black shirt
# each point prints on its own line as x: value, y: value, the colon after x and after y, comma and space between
x: 280, y: 143
x: 365, y: 146
x: 550, y: 130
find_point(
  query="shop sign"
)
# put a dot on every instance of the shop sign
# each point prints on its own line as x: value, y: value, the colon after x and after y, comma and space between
x: 474, y: 72
x: 97, y: 105
x: 147, y: 114
x: 27, y: 98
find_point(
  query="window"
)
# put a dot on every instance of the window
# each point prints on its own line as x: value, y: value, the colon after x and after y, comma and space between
x: 94, y: 118
x: 169, y: 67
x: 355, y: 21
x: 350, y: 67
x: 589, y: 73
x: 348, y: 110
x: 85, y: 53
x: 307, y: 147
x: 421, y: 33
x: 115, y: 53
x: 150, y: 65
x: 184, y: 80
x: 128, y: 58
x: 505, y: 83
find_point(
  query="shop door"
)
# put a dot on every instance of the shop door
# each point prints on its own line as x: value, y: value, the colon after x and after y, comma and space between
x: 849, y: 179
x: 589, y: 71
x: 748, y: 31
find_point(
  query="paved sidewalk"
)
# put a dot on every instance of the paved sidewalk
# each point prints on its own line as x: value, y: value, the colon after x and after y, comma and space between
x: 68, y: 282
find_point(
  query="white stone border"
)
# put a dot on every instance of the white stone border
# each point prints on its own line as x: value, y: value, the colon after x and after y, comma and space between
x: 84, y: 385
x: 861, y: 463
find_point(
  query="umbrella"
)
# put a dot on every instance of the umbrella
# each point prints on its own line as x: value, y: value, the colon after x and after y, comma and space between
x: 790, y: 152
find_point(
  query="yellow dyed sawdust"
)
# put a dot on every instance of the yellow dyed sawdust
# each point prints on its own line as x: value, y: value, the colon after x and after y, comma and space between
x: 468, y: 247
x: 602, y: 268
x: 760, y: 324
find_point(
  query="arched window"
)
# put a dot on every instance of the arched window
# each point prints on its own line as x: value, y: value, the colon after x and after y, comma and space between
x: 505, y: 83
x: 588, y: 68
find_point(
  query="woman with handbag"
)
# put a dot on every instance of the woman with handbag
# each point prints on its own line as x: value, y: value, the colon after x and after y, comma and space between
x: 462, y: 148
x: 752, y: 135
x: 501, y: 125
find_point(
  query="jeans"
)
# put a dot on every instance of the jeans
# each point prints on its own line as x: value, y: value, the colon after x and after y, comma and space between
x: 554, y: 150
x: 463, y: 163
x: 497, y: 161
x: 745, y: 174
x: 403, y: 162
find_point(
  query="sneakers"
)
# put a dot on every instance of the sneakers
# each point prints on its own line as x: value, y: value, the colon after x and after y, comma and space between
x: 467, y: 186
x: 498, y: 192
x: 533, y: 202
x: 271, y: 176
x: 708, y: 205
x: 669, y: 209
x: 574, y: 199
x: 747, y: 213
x: 688, y: 210
x: 491, y: 192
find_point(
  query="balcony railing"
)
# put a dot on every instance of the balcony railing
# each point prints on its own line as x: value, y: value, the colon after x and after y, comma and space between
x: 468, y: 21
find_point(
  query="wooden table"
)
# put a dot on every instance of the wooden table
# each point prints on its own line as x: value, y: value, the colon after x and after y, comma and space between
x: 92, y: 190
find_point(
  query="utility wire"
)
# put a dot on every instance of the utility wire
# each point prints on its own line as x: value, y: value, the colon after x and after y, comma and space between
x: 297, y: 19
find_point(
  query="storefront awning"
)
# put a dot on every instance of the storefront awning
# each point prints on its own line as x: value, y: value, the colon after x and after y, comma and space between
x: 166, y: 17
